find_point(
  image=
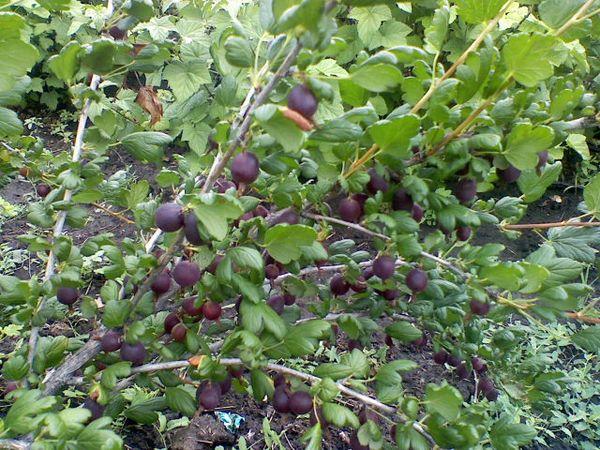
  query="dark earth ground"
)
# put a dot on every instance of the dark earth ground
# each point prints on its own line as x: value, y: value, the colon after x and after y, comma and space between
x: 559, y: 203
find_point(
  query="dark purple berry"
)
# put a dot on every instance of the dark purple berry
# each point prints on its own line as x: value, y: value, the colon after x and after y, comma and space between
x: 417, y: 212
x: 384, y: 267
x: 222, y: 185
x: 170, y: 321
x: 416, y: 280
x: 288, y: 216
x: 169, y: 217
x: 510, y: 174
x: 245, y: 168
x: 211, y: 310
x: 360, y: 285
x: 402, y: 201
x: 135, y: 353
x: 390, y: 294
x: 465, y: 190
x: 186, y: 273
x: 94, y: 407
x: 271, y: 271
x: 376, y: 183
x: 261, y: 211
x: 209, y: 395
x: 440, y: 357
x: 116, y: 33
x: 190, y: 308
x: 302, y: 100
x: 178, y: 332
x: 463, y: 371
x: 111, y: 341
x: 454, y: 360
x: 225, y: 385
x: 350, y: 210
x: 190, y: 227
x: 542, y: 159
x: 479, y: 308
x: 492, y: 395
x: 161, y: 284
x: 485, y: 385
x: 289, y: 299
x: 281, y: 401
x: 277, y: 302
x: 463, y: 233
x: 338, y: 285
x: 301, y: 402
x: 67, y: 295
x: 215, y: 264
x: 42, y: 190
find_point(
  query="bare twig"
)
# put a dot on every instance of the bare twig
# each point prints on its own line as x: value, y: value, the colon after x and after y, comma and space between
x: 583, y: 318
x: 14, y: 444
x: 543, y: 226
x: 365, y: 399
x: 364, y: 230
x: 62, y: 215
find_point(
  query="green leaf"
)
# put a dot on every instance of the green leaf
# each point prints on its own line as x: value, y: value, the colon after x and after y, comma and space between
x: 477, y: 11
x: 17, y: 58
x: 284, y: 242
x: 180, y: 400
x: 143, y: 10
x: 238, y: 52
x: 529, y: 57
x: 533, y: 186
x: 591, y: 196
x: 436, y: 32
x: 524, y: 142
x: 339, y: 415
x: 578, y: 142
x: 504, y: 275
x: 588, y: 339
x: 262, y: 385
x: 313, y: 437
x: 94, y: 436
x: 246, y: 257
x: 575, y: 242
x: 337, y: 130
x: 144, y: 412
x: 443, y: 399
x: 285, y: 131
x: 377, y: 77
x: 116, y: 313
x: 369, y: 20
x: 394, y: 135
x: 403, y: 331
x: 98, y: 57
x: 56, y: 5
x: 215, y: 210
x: 146, y: 145
x: 22, y: 417
x: 112, y: 373
x: 66, y: 64
x: 555, y: 13
x: 10, y: 124
x: 561, y: 270
x: 15, y: 368
x: 186, y: 78
x: 506, y: 435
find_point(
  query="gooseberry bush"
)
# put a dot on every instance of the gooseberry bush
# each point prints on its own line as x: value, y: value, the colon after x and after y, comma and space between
x: 322, y: 170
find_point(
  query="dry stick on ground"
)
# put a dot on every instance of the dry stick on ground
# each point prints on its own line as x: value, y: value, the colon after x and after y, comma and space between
x: 62, y: 215
x: 91, y: 348
x: 543, y: 226
x: 365, y: 399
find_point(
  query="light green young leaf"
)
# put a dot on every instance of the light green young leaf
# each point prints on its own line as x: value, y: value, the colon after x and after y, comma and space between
x: 284, y: 242
x: 524, y: 142
x: 529, y: 57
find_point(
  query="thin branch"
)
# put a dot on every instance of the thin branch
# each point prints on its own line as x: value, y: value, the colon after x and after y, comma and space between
x: 583, y: 318
x: 543, y: 226
x: 364, y: 230
x: 365, y: 399
x: 62, y: 215
x: 113, y: 213
x: 575, y: 18
x: 14, y: 444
